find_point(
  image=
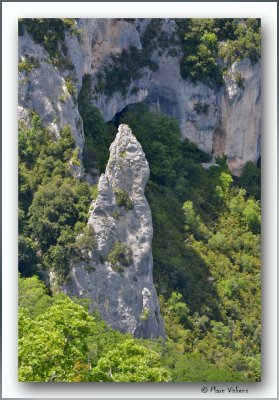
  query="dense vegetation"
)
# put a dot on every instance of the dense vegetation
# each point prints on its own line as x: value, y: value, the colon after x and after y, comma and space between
x: 60, y: 342
x: 53, y: 205
x: 206, y: 244
x: 206, y: 42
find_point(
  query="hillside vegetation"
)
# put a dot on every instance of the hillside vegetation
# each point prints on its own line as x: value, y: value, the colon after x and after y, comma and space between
x: 206, y: 257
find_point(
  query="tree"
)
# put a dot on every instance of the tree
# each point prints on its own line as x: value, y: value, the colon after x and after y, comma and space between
x: 130, y: 362
x: 54, y: 342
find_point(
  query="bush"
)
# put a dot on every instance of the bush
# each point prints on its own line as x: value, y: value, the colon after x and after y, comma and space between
x: 70, y: 86
x: 250, y: 180
x: 123, y: 70
x: 120, y: 256
x: 201, y: 108
x: 122, y: 199
x: 28, y: 63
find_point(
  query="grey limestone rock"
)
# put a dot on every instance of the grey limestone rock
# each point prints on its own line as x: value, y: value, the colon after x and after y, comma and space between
x: 121, y: 287
x: 220, y: 121
x: 44, y: 91
x: 239, y: 131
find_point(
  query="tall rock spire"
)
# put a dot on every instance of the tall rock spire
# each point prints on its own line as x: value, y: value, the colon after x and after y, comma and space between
x: 121, y: 283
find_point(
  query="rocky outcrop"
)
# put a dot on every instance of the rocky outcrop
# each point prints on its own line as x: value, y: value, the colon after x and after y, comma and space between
x: 121, y: 284
x: 194, y: 106
x: 43, y: 88
x: 239, y: 130
x: 224, y: 122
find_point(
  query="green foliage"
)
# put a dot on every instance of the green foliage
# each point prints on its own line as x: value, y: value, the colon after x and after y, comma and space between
x: 194, y: 368
x: 193, y: 221
x: 130, y: 363
x: 53, y: 204
x: 33, y: 296
x: 53, y: 343
x: 70, y: 86
x: 120, y: 256
x: 50, y: 33
x: 204, y: 41
x: 145, y: 314
x: 159, y: 136
x: 27, y: 64
x: 201, y: 108
x: 123, y: 199
x: 250, y: 180
x: 232, y: 255
x: 98, y: 135
x: 200, y: 47
x: 122, y: 70
x: 27, y: 255
x: 60, y: 342
x: 245, y: 43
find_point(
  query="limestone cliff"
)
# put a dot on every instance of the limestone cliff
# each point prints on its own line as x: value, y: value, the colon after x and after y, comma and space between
x: 121, y: 284
x: 224, y: 121
x: 43, y: 88
x: 239, y: 129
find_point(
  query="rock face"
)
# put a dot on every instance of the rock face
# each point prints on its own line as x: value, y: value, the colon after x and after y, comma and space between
x: 121, y: 285
x: 224, y: 121
x: 181, y: 99
x: 239, y: 130
x: 44, y: 90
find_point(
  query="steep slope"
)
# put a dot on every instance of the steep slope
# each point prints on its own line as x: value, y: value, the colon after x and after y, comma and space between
x: 121, y: 284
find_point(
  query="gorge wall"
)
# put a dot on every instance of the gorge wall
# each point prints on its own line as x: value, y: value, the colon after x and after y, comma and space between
x: 230, y: 125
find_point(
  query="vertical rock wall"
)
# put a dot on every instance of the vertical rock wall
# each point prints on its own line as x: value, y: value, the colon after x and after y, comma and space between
x: 239, y: 130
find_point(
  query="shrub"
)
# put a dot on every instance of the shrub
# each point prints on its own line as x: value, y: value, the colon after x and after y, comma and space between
x: 239, y: 80
x: 120, y: 256
x: 250, y: 180
x: 124, y: 69
x: 122, y: 199
x: 145, y: 314
x: 70, y: 86
x: 201, y: 108
x: 28, y: 63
